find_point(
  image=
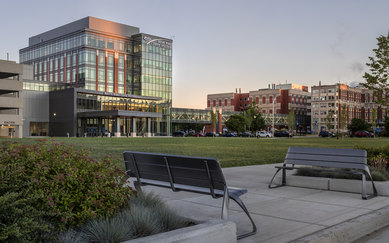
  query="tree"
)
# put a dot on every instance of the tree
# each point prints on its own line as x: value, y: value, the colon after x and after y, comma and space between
x: 374, y: 119
x: 329, y: 118
x: 377, y: 79
x: 213, y: 120
x: 386, y: 126
x: 343, y: 117
x: 236, y: 123
x: 291, y: 119
x: 255, y: 121
x: 358, y: 124
x: 258, y: 123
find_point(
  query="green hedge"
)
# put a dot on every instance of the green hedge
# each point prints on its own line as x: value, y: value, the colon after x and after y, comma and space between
x: 55, y: 187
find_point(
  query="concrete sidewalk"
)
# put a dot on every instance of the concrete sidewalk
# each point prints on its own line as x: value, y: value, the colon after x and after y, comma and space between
x: 287, y: 213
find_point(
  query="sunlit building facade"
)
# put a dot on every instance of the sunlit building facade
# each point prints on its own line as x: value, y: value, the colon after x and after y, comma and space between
x: 102, y: 56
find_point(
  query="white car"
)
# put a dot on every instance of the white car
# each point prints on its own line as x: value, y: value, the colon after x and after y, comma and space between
x: 264, y: 134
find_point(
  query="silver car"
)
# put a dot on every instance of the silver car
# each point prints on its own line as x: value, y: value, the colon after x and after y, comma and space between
x: 263, y: 134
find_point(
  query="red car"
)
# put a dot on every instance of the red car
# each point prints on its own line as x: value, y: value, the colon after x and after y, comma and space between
x: 364, y: 134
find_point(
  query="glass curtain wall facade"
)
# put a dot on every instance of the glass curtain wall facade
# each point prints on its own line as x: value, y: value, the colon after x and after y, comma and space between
x: 151, y: 69
x: 94, y: 60
x: 98, y: 126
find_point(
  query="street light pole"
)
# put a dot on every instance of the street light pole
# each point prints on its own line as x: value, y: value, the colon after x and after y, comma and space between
x: 274, y: 100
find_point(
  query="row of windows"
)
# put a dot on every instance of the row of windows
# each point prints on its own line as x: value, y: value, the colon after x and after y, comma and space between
x: 86, y: 102
x: 316, y: 91
x: 156, y: 65
x: 73, y: 42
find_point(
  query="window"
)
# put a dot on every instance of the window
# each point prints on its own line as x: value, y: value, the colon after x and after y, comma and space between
x: 110, y: 60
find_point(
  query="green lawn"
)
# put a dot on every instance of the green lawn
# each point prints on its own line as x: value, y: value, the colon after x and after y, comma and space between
x: 229, y: 151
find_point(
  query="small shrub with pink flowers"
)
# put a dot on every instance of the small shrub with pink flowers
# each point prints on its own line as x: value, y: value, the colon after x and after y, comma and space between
x: 55, y: 187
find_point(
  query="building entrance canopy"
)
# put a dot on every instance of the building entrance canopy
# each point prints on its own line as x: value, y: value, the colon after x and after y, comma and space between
x: 118, y: 113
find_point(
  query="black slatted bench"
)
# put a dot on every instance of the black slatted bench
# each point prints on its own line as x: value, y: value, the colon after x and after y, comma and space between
x: 353, y: 159
x: 184, y: 173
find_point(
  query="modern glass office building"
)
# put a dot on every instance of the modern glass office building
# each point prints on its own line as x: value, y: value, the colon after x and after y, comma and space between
x: 110, y: 59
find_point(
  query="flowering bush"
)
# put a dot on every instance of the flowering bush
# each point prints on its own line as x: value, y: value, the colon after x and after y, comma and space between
x: 63, y: 182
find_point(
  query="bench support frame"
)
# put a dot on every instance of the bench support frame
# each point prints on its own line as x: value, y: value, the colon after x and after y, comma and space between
x: 226, y: 193
x: 363, y: 173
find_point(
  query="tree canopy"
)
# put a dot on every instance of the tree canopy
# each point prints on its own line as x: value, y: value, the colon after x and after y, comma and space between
x: 236, y: 123
x: 255, y: 121
x: 329, y: 118
x: 377, y: 78
x: 358, y: 124
x: 291, y: 119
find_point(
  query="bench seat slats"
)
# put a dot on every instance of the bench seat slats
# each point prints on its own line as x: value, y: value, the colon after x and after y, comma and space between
x: 326, y: 157
x: 174, y: 160
x: 177, y: 171
x: 332, y: 151
x: 182, y: 180
x: 324, y: 163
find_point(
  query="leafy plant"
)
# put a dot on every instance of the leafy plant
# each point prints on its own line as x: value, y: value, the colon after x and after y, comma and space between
x: 61, y: 181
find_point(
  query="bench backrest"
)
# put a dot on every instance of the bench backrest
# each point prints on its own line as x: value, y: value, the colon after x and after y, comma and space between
x: 329, y: 157
x: 176, y: 169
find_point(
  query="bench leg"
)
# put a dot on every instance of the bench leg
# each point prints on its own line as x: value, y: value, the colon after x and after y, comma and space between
x: 137, y: 185
x: 283, y: 183
x: 226, y: 203
x: 364, y: 195
x: 241, y: 204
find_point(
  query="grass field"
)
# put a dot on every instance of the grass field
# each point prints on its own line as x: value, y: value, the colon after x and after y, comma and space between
x: 229, y: 151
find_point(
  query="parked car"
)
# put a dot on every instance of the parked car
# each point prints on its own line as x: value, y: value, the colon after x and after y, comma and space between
x: 364, y: 134
x: 263, y: 134
x: 229, y: 134
x: 211, y: 134
x: 199, y: 134
x: 324, y: 134
x: 282, y: 134
x: 246, y: 134
x: 179, y: 134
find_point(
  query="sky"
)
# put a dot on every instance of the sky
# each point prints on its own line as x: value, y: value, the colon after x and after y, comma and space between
x: 221, y: 45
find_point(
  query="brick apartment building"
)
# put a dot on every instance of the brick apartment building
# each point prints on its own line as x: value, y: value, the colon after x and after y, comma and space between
x: 279, y: 98
x: 359, y: 104
x: 228, y: 101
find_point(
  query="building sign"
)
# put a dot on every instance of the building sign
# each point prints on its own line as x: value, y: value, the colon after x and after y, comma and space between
x: 161, y: 42
x: 7, y: 122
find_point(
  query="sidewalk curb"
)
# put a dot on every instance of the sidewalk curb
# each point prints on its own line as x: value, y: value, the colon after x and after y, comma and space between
x: 350, y: 230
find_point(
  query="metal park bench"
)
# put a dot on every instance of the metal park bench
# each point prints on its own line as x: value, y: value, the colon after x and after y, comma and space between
x: 352, y: 159
x: 184, y: 173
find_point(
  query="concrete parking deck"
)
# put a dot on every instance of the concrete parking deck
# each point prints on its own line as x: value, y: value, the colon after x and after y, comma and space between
x: 287, y: 213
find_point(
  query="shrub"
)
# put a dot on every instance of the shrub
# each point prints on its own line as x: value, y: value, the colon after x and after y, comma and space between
x: 61, y: 181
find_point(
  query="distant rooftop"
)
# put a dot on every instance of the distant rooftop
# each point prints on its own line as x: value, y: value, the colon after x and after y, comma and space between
x: 90, y: 23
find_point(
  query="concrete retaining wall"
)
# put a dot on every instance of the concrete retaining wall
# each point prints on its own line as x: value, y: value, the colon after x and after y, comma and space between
x: 210, y: 231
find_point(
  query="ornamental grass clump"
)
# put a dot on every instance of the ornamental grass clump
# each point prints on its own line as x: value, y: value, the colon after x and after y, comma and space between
x: 55, y: 187
x: 145, y: 215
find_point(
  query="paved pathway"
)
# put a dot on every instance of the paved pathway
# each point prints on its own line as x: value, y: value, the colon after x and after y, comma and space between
x: 282, y: 214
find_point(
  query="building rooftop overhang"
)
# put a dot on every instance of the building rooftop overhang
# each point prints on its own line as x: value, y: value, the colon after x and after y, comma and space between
x: 90, y: 23
x: 84, y: 91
